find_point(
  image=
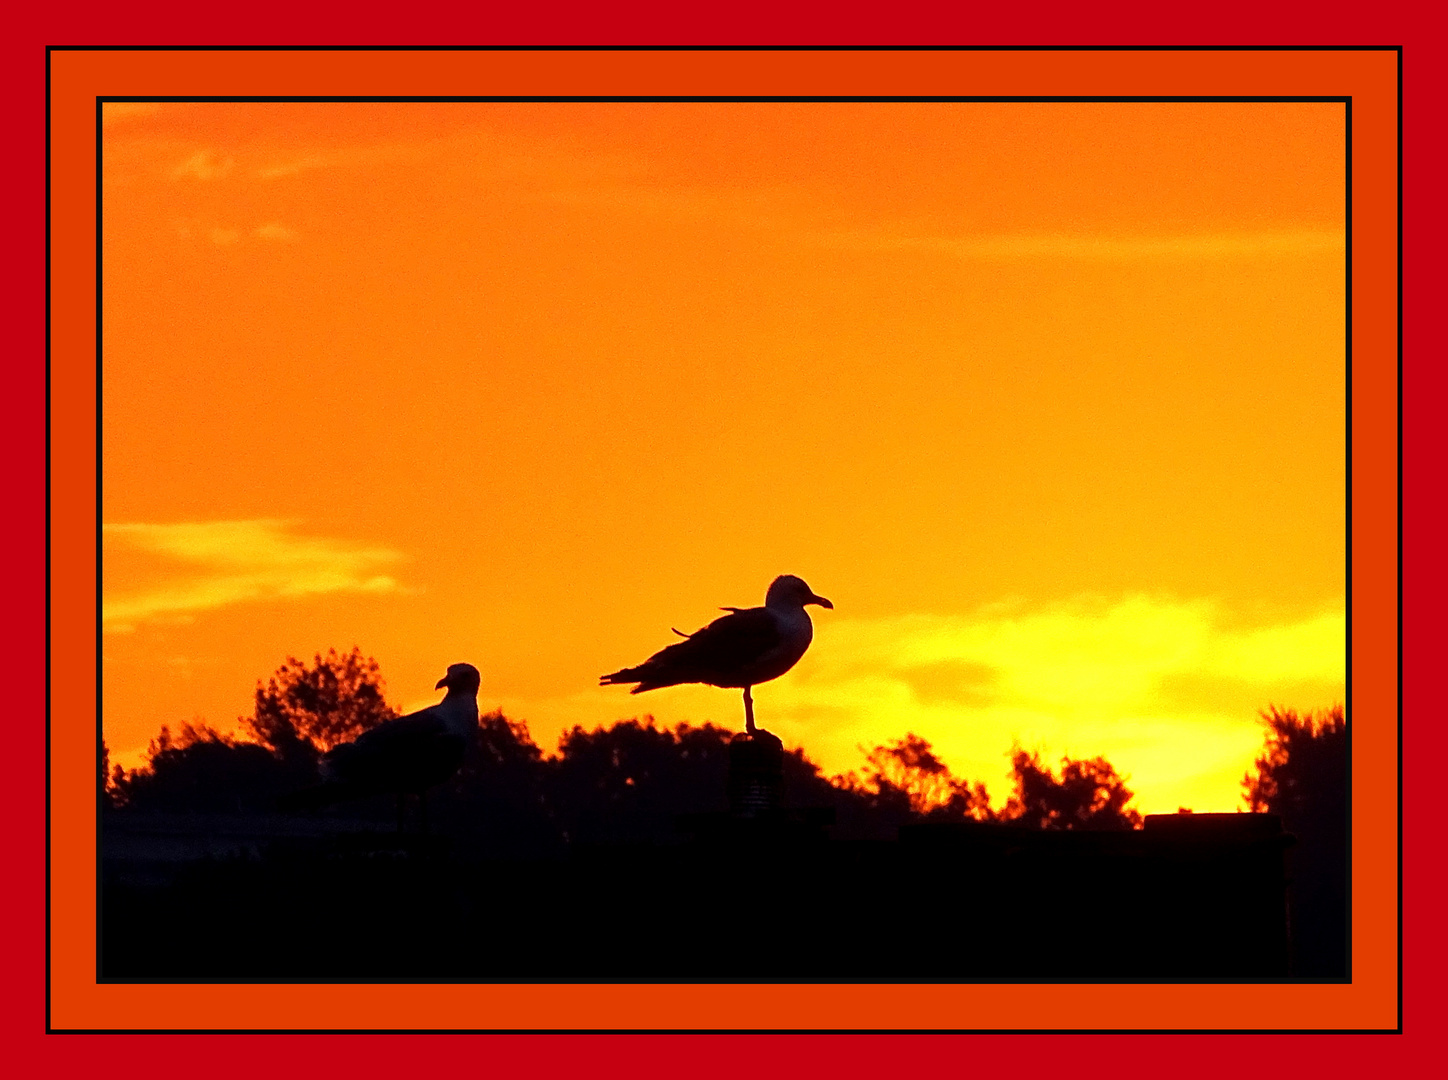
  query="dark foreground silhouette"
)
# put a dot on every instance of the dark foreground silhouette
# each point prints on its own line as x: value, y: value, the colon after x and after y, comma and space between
x: 1302, y: 776
x: 641, y: 853
x: 401, y: 757
x: 754, y: 888
x: 772, y: 900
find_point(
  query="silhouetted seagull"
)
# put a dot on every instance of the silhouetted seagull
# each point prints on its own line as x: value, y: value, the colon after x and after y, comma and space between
x: 744, y: 648
x: 405, y: 756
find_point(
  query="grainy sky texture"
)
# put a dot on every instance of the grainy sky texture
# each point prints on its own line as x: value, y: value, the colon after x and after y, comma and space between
x: 1047, y: 398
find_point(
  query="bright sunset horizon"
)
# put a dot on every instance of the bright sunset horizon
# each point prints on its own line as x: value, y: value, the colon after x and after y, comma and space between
x: 1048, y: 398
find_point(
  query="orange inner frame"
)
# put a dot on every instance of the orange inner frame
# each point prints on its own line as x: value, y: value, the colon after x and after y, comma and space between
x: 1369, y: 78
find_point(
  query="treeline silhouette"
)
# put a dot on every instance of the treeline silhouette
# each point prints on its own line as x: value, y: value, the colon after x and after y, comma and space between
x: 617, y: 857
x: 626, y: 783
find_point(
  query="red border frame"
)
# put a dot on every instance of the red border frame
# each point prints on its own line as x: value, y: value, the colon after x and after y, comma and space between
x: 23, y: 1020
x: 1369, y: 1002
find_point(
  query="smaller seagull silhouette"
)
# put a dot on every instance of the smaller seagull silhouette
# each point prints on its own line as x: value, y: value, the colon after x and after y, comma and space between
x: 405, y: 756
x: 744, y: 648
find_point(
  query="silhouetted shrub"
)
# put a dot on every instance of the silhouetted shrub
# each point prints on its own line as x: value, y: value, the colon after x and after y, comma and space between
x: 1302, y: 774
x: 906, y: 779
x: 1088, y: 795
x: 631, y: 781
x: 200, y: 770
x: 305, y: 709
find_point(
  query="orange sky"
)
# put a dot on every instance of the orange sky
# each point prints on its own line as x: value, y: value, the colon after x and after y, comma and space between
x: 1047, y: 398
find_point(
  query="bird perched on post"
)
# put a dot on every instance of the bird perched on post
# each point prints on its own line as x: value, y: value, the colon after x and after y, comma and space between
x: 405, y: 756
x: 744, y: 648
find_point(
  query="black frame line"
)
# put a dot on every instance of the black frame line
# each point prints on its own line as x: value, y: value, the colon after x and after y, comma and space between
x: 1347, y: 101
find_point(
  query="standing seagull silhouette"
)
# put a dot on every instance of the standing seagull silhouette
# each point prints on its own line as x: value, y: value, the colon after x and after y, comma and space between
x: 405, y: 756
x: 744, y: 648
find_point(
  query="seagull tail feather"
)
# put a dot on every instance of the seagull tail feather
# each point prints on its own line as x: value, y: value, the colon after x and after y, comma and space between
x: 623, y: 675
x: 637, y: 675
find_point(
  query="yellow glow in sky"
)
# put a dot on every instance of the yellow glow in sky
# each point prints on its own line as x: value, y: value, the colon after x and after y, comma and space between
x: 1049, y: 399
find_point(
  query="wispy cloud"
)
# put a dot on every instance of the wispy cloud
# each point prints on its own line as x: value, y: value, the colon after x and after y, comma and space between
x: 1222, y: 245
x: 204, y: 165
x: 224, y: 237
x: 173, y: 571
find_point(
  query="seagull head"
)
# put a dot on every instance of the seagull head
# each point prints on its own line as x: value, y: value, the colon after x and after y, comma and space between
x: 461, y: 677
x: 789, y: 591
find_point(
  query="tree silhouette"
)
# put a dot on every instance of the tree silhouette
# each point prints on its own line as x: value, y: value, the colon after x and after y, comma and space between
x: 633, y: 822
x: 1302, y: 769
x: 105, y: 775
x: 632, y: 780
x: 1088, y: 795
x: 306, y: 710
x: 1302, y: 775
x: 905, y: 777
x: 201, y: 770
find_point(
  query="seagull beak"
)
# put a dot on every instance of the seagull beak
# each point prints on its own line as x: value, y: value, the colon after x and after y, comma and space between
x: 820, y: 600
x: 441, y: 683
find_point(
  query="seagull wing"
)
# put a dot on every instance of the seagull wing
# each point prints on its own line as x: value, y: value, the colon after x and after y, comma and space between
x: 715, y: 655
x: 398, y: 736
x: 409, y: 752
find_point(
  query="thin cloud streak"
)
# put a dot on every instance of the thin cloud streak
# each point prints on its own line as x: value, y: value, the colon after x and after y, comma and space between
x: 213, y: 564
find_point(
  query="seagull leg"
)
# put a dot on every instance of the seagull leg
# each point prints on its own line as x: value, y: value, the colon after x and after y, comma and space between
x: 748, y: 711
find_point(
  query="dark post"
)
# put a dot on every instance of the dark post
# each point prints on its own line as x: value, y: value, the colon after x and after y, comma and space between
x: 756, y: 774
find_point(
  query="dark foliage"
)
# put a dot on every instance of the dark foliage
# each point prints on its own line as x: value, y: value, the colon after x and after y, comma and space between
x: 1302, y: 775
x: 104, y: 778
x: 200, y: 770
x: 1088, y: 795
x: 497, y: 802
x: 905, y: 779
x: 527, y: 854
x: 304, y: 710
x: 631, y: 782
